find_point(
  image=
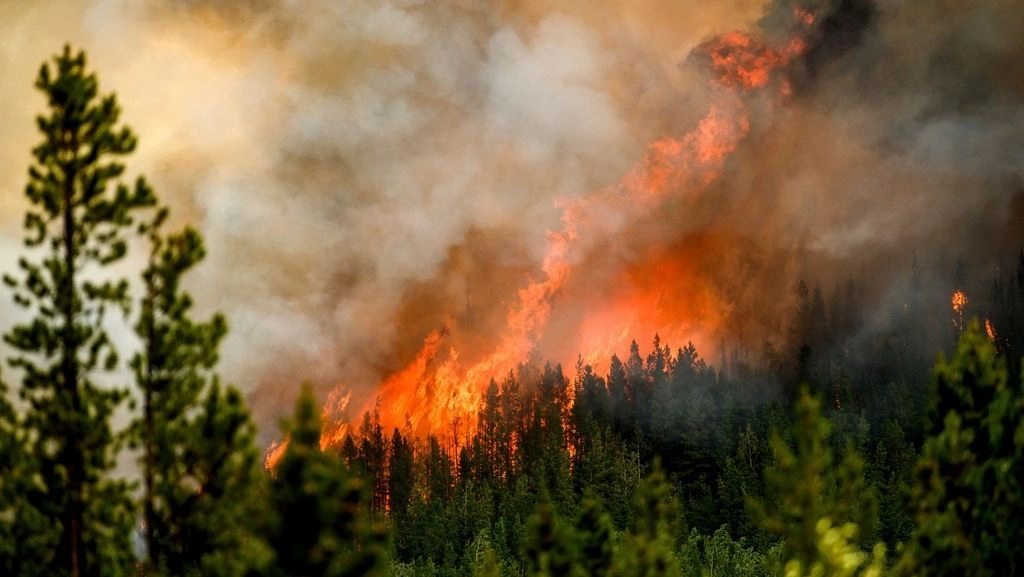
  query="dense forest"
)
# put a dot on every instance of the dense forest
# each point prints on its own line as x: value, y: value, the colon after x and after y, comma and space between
x: 829, y: 456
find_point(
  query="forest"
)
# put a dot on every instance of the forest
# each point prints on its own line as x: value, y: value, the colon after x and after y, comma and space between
x: 828, y: 456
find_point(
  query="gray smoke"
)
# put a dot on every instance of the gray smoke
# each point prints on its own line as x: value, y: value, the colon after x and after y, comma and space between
x: 364, y: 170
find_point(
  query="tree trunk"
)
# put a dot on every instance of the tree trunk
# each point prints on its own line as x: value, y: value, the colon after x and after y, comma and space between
x: 150, y: 431
x: 69, y: 368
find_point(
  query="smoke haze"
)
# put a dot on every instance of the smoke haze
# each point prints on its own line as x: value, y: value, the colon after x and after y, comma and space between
x: 366, y: 172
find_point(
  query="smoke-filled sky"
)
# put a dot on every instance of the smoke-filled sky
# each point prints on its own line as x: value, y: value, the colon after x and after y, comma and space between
x: 366, y: 172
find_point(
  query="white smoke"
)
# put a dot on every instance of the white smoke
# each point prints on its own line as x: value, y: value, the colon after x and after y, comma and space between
x: 361, y: 170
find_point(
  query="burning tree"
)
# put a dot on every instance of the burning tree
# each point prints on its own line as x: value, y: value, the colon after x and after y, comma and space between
x: 959, y: 301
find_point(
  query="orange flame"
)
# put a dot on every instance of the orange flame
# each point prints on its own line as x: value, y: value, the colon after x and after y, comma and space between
x: 804, y: 16
x: 334, y: 427
x: 436, y: 389
x: 334, y: 419
x: 274, y: 454
x: 959, y: 301
x: 990, y: 330
x: 744, y: 62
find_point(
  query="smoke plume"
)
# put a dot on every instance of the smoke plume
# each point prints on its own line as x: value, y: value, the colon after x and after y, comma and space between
x: 369, y: 173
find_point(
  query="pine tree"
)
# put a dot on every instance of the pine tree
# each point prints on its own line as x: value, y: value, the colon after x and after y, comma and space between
x: 891, y: 472
x: 968, y: 495
x: 819, y: 510
x: 595, y: 535
x: 401, y: 480
x: 488, y: 423
x: 741, y: 479
x: 77, y: 218
x: 172, y: 370
x: 374, y: 459
x: 509, y: 438
x: 619, y: 398
x: 215, y: 492
x: 440, y: 480
x: 648, y: 549
x: 550, y: 546
x: 318, y: 520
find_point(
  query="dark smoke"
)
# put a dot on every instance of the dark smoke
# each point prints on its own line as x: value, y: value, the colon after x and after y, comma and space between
x: 366, y: 174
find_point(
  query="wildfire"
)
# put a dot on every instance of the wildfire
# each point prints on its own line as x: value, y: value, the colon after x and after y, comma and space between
x: 959, y: 301
x: 274, y: 454
x: 334, y: 418
x: 334, y: 427
x: 804, y: 16
x: 990, y: 330
x: 438, y: 388
x: 747, y: 63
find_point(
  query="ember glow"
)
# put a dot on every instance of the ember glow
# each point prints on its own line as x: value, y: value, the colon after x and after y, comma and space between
x: 990, y: 330
x: 439, y: 391
x: 959, y: 302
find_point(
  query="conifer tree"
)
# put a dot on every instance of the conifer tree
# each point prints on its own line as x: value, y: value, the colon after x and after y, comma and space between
x: 215, y: 491
x: 198, y: 459
x: 489, y: 422
x: 595, y: 534
x: 550, y: 546
x: 401, y: 480
x: 819, y: 510
x: 968, y: 495
x: 648, y: 549
x: 318, y: 519
x: 75, y: 228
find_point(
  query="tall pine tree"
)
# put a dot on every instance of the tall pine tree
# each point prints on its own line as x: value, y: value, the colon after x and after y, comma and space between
x: 75, y: 229
x: 968, y: 496
x: 199, y: 464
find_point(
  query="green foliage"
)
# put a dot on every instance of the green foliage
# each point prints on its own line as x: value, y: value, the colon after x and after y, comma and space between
x: 401, y: 480
x: 968, y: 497
x: 199, y: 463
x: 806, y: 495
x: 720, y: 555
x: 891, y: 473
x: 837, y: 554
x: 648, y: 549
x: 550, y: 546
x: 596, y: 537
x: 318, y: 522
x: 25, y: 545
x: 209, y: 497
x: 77, y: 219
x: 742, y: 478
x: 489, y: 567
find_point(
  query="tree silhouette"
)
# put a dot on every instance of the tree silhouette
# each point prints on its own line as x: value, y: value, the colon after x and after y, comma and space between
x: 78, y: 218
